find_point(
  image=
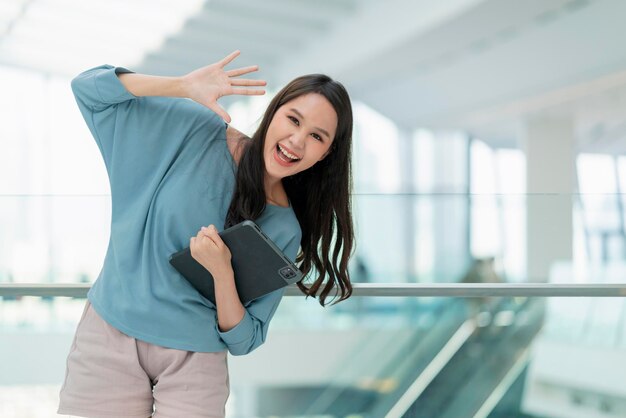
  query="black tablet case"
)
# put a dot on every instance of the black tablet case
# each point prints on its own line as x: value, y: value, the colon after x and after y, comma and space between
x: 260, y: 267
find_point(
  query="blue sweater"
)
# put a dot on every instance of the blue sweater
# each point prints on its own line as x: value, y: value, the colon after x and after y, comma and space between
x: 170, y: 172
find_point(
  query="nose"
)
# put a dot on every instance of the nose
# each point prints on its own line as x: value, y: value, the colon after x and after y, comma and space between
x: 297, y: 140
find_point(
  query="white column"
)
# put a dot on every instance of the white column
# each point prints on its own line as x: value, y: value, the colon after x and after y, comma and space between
x: 550, y: 163
x: 407, y: 200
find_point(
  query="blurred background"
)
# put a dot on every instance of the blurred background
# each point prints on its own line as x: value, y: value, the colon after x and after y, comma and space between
x: 489, y: 146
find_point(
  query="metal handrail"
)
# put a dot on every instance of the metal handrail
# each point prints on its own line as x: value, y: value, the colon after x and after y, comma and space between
x: 380, y: 289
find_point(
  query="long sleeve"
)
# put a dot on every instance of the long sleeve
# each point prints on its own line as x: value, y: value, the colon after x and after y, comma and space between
x: 140, y: 138
x: 97, y: 90
x: 251, y: 331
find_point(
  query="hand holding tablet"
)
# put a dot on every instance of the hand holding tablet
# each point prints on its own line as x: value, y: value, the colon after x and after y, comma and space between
x: 260, y: 267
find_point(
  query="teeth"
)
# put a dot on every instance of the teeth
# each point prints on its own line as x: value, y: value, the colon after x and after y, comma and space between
x: 284, y: 151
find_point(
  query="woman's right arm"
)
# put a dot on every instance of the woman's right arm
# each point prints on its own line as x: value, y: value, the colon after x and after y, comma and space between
x: 96, y: 91
x: 204, y: 85
x: 110, y: 101
x: 150, y: 85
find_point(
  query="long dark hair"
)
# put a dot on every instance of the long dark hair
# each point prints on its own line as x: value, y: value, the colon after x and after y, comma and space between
x: 320, y: 196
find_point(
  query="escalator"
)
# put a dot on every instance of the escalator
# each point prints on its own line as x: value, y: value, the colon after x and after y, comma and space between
x: 478, y: 374
x: 378, y: 371
x: 454, y: 367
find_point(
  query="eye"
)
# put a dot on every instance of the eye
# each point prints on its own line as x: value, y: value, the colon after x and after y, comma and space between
x: 316, y: 136
x: 294, y: 120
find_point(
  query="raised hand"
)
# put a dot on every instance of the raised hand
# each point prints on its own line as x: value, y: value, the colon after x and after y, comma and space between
x: 207, y: 84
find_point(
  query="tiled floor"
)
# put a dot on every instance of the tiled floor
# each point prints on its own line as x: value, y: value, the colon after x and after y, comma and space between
x: 29, y: 401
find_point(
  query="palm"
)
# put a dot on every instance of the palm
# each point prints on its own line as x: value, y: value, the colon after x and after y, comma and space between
x: 207, y: 84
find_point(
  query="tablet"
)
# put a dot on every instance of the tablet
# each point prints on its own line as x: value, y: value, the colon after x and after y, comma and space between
x: 260, y: 266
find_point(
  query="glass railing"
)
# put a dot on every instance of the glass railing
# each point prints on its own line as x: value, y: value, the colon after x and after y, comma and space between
x: 401, y: 238
x: 436, y: 357
x: 430, y: 332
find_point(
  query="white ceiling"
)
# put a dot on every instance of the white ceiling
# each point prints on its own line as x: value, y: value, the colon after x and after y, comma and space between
x: 478, y: 65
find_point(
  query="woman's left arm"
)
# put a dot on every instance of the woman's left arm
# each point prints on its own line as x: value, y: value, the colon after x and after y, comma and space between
x: 230, y: 311
x: 242, y: 329
x: 209, y: 250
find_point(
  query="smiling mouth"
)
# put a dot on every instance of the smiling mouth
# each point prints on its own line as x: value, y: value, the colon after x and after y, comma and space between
x: 285, y: 155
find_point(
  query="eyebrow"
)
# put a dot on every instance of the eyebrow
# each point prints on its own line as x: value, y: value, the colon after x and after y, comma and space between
x: 302, y: 117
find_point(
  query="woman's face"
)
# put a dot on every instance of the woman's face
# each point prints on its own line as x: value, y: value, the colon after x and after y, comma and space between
x: 299, y: 135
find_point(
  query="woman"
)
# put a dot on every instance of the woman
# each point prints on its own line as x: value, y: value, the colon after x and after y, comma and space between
x: 147, y: 341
